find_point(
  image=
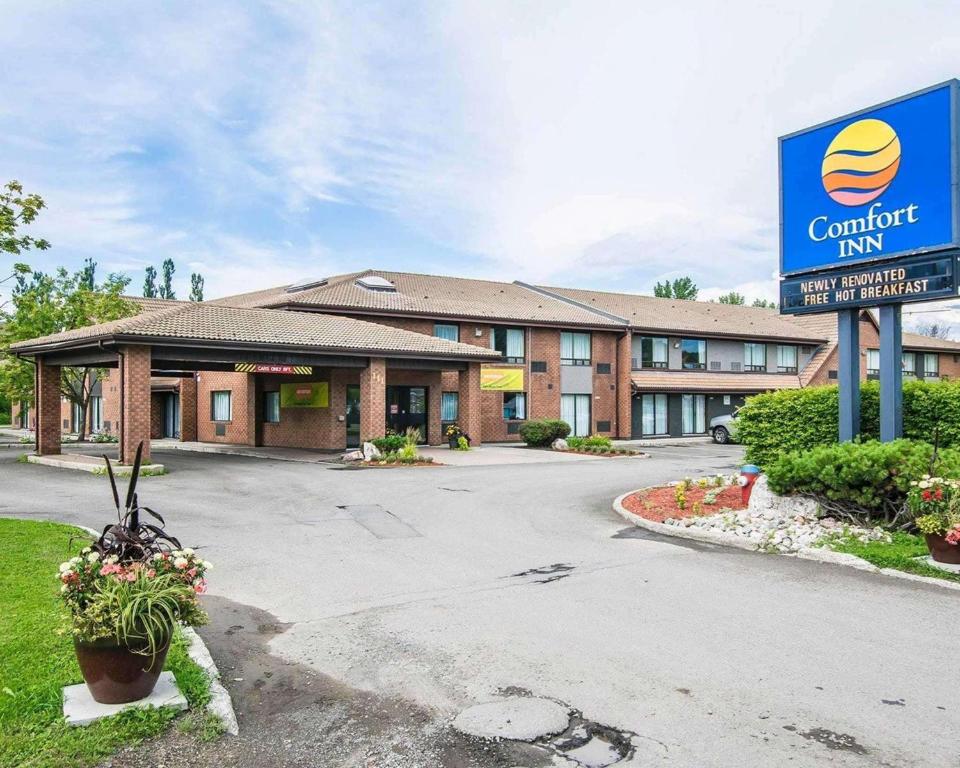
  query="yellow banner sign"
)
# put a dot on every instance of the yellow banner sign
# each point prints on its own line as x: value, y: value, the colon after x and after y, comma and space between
x: 502, y: 379
x: 309, y: 394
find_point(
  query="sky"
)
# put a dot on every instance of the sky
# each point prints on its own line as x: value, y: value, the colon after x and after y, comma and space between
x: 604, y: 145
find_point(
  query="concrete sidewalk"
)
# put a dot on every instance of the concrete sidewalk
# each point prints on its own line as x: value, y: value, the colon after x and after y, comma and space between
x: 257, y: 452
x: 489, y: 455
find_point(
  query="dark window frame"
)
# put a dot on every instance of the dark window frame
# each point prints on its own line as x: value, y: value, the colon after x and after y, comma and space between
x: 213, y: 394
x: 504, y: 406
x: 576, y: 360
x: 653, y: 363
x: 702, y: 366
x: 455, y: 326
x: 267, y: 394
x: 443, y: 395
x: 502, y: 331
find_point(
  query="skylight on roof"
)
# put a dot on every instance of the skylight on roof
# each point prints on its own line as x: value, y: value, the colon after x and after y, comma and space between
x: 302, y: 285
x: 375, y: 283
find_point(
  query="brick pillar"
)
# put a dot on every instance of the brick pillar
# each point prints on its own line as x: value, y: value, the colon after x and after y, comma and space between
x: 135, y: 402
x: 188, y: 409
x: 48, y: 409
x: 434, y: 434
x: 254, y: 410
x: 373, y: 399
x: 470, y: 397
x: 624, y: 388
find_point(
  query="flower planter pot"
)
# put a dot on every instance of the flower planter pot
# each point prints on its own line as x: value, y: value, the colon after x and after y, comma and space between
x: 941, y: 550
x: 452, y: 442
x: 117, y: 674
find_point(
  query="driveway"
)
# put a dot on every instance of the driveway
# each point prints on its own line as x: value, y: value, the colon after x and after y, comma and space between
x: 356, y: 611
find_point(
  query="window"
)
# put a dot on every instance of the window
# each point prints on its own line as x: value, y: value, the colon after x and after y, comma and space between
x: 786, y: 359
x: 509, y: 343
x: 449, y: 406
x: 75, y: 417
x: 96, y: 413
x: 445, y: 331
x: 694, y: 410
x: 873, y: 362
x: 575, y: 410
x: 220, y: 406
x: 693, y: 353
x: 654, y: 414
x: 653, y: 352
x: 514, y: 406
x: 271, y: 407
x: 931, y: 365
x: 24, y: 414
x: 574, y: 348
x: 754, y: 357
x: 909, y: 364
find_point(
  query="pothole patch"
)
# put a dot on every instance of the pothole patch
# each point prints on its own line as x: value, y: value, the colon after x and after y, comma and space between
x: 514, y: 718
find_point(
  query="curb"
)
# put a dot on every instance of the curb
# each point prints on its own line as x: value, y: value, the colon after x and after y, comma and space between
x: 220, y: 704
x: 805, y: 553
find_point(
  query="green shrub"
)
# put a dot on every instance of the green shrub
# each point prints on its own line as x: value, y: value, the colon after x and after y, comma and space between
x: 389, y: 443
x: 543, y: 432
x: 594, y: 441
x: 775, y: 423
x: 872, y: 476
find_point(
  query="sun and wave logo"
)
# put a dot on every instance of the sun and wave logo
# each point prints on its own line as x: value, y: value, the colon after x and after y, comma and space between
x: 861, y: 162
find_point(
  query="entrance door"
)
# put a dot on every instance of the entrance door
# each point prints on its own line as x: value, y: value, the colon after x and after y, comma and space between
x: 171, y: 415
x: 353, y: 417
x: 407, y: 407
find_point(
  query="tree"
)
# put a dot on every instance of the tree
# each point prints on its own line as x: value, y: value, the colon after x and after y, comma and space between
x: 733, y: 298
x: 681, y: 288
x: 934, y: 329
x: 150, y: 283
x: 88, y: 274
x: 764, y: 304
x: 45, y: 304
x: 16, y: 210
x: 196, y: 287
x: 166, y: 286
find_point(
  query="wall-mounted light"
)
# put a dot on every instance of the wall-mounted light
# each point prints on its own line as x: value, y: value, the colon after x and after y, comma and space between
x: 478, y: 332
x: 676, y: 345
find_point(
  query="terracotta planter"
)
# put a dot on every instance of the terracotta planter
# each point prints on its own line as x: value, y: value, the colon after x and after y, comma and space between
x: 941, y: 550
x: 116, y: 674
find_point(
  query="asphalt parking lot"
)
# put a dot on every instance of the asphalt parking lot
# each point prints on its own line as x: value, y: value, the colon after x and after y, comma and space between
x: 356, y: 611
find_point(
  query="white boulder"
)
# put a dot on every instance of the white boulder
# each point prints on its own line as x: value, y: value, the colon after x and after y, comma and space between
x: 560, y: 445
x: 352, y: 456
x: 370, y: 452
x: 763, y: 501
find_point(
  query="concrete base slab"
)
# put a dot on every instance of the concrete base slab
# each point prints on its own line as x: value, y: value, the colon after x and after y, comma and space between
x: 949, y: 567
x: 79, y: 708
x: 92, y: 464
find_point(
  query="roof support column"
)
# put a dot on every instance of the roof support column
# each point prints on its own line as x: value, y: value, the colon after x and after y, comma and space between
x: 134, y: 402
x: 48, y: 408
x: 624, y: 388
x: 373, y: 399
x: 188, y: 409
x: 469, y: 417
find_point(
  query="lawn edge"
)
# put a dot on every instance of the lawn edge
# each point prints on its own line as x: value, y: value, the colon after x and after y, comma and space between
x: 220, y: 704
x: 805, y: 553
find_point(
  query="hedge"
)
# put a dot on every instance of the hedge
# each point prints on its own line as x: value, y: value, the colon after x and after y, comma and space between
x: 543, y: 432
x: 775, y: 423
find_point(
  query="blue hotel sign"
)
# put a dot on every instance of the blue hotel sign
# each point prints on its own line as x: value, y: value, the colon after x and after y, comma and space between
x: 875, y: 185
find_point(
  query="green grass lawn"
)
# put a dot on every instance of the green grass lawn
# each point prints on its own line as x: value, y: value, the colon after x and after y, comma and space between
x: 899, y: 553
x: 36, y: 662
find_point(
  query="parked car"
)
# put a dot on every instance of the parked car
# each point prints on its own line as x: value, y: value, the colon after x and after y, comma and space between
x: 723, y: 428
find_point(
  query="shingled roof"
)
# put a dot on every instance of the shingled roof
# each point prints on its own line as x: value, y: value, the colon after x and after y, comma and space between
x: 191, y: 321
x: 431, y: 296
x: 704, y: 381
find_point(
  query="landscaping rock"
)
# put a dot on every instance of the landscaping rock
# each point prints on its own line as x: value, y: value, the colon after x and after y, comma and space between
x: 370, y: 452
x: 352, y: 456
x: 762, y: 499
x: 560, y: 445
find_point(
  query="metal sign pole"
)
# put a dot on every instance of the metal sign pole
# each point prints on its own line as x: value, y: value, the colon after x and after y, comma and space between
x: 849, y: 373
x: 891, y: 373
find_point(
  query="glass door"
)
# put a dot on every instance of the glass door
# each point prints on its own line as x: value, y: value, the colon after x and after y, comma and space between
x: 694, y: 409
x: 353, y: 417
x: 407, y: 407
x: 171, y: 415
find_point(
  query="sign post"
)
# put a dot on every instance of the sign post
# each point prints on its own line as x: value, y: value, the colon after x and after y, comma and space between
x: 870, y: 217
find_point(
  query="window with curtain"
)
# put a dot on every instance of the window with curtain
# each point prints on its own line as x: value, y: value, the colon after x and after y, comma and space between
x: 653, y: 352
x: 509, y: 343
x: 271, y: 407
x: 694, y: 414
x: 786, y: 358
x: 96, y: 413
x: 449, y: 406
x: 754, y: 357
x: 909, y: 362
x: 873, y: 362
x: 693, y: 353
x: 575, y: 410
x: 653, y: 415
x: 446, y: 331
x: 220, y: 405
x: 931, y: 364
x: 75, y: 417
x: 574, y: 348
x: 514, y: 406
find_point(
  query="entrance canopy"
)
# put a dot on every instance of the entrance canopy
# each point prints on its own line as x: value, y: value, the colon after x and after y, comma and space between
x: 210, y: 337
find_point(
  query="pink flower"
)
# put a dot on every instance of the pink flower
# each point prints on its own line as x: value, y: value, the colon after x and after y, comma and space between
x: 151, y: 573
x: 200, y: 588
x: 953, y: 536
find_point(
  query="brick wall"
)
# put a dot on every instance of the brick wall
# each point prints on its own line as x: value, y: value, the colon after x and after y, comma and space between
x: 604, y: 350
x: 624, y: 387
x: 310, y: 427
x: 156, y: 415
x: 48, y: 409
x: 240, y: 429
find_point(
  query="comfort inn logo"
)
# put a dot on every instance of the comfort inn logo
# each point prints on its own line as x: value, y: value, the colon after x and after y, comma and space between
x: 858, y: 166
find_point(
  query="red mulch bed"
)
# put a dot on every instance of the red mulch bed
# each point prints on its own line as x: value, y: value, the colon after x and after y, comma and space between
x: 659, y: 504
